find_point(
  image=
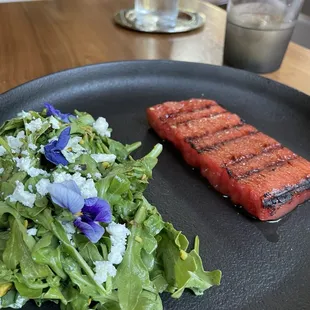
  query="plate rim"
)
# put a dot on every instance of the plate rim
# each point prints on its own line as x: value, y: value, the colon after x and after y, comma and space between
x: 255, y: 78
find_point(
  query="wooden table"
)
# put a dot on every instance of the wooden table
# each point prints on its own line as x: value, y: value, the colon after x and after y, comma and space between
x: 38, y: 38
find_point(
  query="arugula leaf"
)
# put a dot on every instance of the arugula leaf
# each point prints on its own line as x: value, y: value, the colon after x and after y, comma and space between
x: 17, y: 252
x: 132, y: 275
x: 73, y: 269
x: 6, y: 275
x: 4, y: 236
x: 12, y: 124
x: 149, y: 301
x: 88, y: 250
x: 12, y: 300
x: 45, y: 253
x: 48, y: 266
x: 181, y: 269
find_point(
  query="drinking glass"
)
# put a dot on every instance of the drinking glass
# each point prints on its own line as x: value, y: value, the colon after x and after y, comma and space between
x: 258, y: 33
x: 156, y: 13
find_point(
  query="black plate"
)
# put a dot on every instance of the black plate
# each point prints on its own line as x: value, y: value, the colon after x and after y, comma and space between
x: 265, y: 266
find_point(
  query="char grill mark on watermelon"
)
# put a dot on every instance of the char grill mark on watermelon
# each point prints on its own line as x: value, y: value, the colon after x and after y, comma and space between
x: 255, y: 170
x: 198, y: 117
x: 272, y: 159
x: 281, y: 197
x: 207, y: 135
x: 191, y: 111
x: 209, y: 142
x: 218, y: 144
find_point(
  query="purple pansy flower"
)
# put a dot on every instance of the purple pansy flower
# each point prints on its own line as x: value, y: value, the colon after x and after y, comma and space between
x: 53, y: 149
x: 89, y: 212
x: 52, y: 111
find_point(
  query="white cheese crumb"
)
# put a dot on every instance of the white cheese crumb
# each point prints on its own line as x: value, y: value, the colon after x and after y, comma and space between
x: 68, y: 227
x: 88, y: 175
x: 34, y: 172
x: 70, y: 230
x: 77, y: 168
x: 118, y: 235
x: 54, y: 122
x: 100, y: 158
x: 42, y: 185
x: 22, y: 196
x: 73, y: 150
x: 101, y: 126
x: 97, y: 175
x: 24, y: 114
x: 1, y: 170
x: 55, y: 138
x: 32, y: 146
x: 2, y: 150
x: 25, y: 164
x: 103, y: 269
x: 34, y: 125
x: 30, y: 187
x: 15, y: 143
x: 32, y: 231
x: 87, y: 187
x: 25, y: 153
x: 41, y: 150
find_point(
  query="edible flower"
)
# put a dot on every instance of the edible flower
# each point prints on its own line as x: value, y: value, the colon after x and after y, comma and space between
x: 51, y: 111
x: 53, y: 149
x: 88, y: 212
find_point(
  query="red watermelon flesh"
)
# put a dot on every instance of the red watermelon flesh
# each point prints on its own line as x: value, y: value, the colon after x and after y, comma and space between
x: 254, y: 170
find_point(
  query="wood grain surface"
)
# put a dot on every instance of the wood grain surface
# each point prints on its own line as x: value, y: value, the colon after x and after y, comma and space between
x: 39, y: 38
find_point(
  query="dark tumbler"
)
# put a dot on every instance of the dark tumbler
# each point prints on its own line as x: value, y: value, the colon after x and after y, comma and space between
x: 258, y: 33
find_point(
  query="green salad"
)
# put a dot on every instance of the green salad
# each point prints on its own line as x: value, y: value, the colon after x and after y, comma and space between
x: 75, y: 228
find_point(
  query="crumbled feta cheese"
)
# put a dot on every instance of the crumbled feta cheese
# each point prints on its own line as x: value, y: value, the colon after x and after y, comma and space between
x: 34, y: 172
x: 32, y: 231
x: 88, y: 175
x: 97, y: 175
x: 24, y: 114
x: 22, y: 196
x: 25, y: 164
x: 101, y: 126
x: 118, y: 235
x: 103, y: 269
x: 2, y: 150
x: 73, y: 150
x: 42, y: 185
x: 34, y: 125
x: 15, y: 143
x: 30, y: 187
x: 77, y: 168
x: 1, y: 170
x: 55, y: 138
x: 100, y: 158
x: 68, y: 227
x: 70, y: 230
x: 87, y: 187
x: 41, y: 150
x: 32, y: 146
x: 115, y: 257
x: 54, y: 122
x: 25, y: 153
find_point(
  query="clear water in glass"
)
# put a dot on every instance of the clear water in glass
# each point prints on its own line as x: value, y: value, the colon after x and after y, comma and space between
x: 161, y: 13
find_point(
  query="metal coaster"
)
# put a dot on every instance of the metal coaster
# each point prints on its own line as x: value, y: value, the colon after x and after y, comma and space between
x: 186, y: 21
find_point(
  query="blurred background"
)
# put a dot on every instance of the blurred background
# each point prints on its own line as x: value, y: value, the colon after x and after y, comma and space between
x: 301, y: 33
